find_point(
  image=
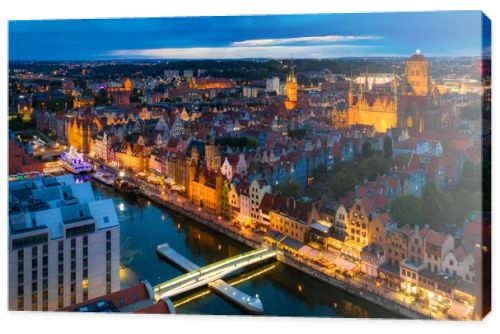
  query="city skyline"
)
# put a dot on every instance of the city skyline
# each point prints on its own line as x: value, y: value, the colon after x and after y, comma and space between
x: 308, y: 185
x: 236, y: 37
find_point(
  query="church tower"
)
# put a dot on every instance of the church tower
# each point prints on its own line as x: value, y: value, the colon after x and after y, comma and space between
x: 291, y: 90
x: 127, y: 85
x: 350, y: 96
x: 394, y: 83
x: 417, y: 73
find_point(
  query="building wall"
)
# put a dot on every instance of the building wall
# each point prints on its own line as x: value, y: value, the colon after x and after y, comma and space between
x: 256, y: 194
x: 397, y: 248
x: 434, y: 260
x: 245, y: 209
x: 234, y: 202
x: 358, y: 224
x: 287, y: 226
x: 203, y: 194
x: 416, y: 248
x: 382, y: 114
x: 44, y: 275
x: 417, y: 74
x: 137, y: 163
x: 376, y: 233
x: 78, y: 137
x: 341, y: 222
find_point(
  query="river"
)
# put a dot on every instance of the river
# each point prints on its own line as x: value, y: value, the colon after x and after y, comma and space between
x: 283, y: 291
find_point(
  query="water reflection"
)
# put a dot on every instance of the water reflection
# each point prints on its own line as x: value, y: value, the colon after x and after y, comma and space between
x: 283, y: 290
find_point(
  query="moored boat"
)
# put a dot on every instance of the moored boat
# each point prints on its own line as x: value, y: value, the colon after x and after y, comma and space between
x: 104, y: 177
x: 74, y: 162
x: 126, y: 187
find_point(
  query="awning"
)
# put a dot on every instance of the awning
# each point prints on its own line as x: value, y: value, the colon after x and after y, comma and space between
x: 309, y: 251
x: 338, y: 261
x: 459, y: 310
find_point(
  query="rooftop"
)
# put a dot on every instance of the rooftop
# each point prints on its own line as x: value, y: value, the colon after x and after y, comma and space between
x: 132, y: 300
x: 44, y: 202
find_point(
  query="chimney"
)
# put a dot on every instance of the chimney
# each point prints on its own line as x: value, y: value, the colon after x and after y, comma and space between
x: 416, y: 228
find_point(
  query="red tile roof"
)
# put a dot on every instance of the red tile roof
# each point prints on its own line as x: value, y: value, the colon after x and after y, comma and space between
x: 433, y: 166
x: 385, y: 218
x: 473, y: 232
x: 423, y: 233
x: 20, y: 161
x: 367, y: 205
x: 124, y: 298
x: 159, y: 307
x: 405, y: 230
x: 459, y: 253
x: 436, y: 238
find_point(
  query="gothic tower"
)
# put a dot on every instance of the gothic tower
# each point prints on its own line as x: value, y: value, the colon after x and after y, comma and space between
x: 417, y: 74
x: 291, y: 90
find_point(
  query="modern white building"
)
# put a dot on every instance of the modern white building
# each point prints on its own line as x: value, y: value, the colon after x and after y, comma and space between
x: 188, y: 74
x: 64, y: 244
x: 273, y: 85
x: 250, y: 92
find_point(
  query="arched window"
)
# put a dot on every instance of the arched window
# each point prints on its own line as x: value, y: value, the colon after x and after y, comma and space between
x: 421, y: 126
x: 409, y: 121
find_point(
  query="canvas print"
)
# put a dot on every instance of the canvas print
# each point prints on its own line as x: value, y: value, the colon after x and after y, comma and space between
x: 326, y: 165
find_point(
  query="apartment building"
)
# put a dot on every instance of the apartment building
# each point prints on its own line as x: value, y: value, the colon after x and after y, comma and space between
x: 64, y: 245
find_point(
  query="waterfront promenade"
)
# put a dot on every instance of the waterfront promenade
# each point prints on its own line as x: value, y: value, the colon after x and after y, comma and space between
x: 358, y: 285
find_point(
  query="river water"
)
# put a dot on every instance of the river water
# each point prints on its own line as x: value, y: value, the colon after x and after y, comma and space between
x: 283, y: 291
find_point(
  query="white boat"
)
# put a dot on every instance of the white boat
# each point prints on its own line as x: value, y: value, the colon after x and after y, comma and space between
x: 74, y: 162
x: 106, y: 178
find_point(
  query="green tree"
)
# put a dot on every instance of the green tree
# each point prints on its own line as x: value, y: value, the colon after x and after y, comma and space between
x: 290, y: 189
x: 102, y: 98
x: 342, y: 182
x: 297, y: 133
x: 407, y: 210
x: 372, y: 167
x: 367, y: 150
x: 387, y: 147
x: 433, y: 203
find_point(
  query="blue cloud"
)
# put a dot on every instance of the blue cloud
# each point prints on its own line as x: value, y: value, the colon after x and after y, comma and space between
x: 320, y: 35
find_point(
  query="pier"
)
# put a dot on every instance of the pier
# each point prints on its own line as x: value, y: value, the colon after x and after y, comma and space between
x: 211, y: 275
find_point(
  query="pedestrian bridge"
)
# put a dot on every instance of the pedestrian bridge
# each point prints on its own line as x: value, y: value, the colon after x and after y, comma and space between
x: 210, y: 273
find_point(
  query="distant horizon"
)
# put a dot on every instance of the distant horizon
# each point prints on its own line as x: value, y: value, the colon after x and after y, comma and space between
x: 297, y: 36
x: 163, y: 60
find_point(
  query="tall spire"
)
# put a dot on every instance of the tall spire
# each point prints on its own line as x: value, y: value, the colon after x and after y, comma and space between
x: 394, y: 82
x: 351, y: 90
x: 366, y: 77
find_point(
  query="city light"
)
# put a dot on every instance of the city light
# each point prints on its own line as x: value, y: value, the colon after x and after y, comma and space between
x: 311, y: 165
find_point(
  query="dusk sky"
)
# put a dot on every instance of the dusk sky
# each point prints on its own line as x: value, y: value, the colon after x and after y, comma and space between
x: 274, y: 36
